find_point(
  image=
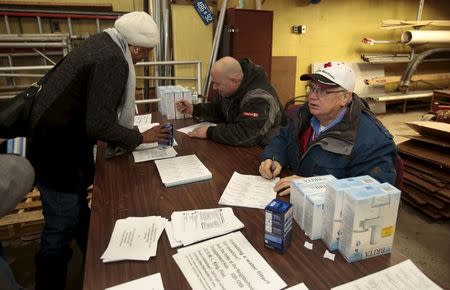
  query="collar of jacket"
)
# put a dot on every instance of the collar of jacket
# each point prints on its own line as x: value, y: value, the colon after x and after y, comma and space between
x: 340, y: 138
x: 254, y: 76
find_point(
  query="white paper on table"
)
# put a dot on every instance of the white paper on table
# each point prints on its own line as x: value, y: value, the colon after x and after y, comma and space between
x: 182, y: 170
x: 169, y: 232
x: 191, y: 128
x: 328, y: 255
x: 152, y: 282
x: 134, y: 239
x: 154, y: 154
x: 146, y: 146
x: 197, y: 225
x: 300, y: 286
x: 144, y: 122
x: 236, y: 265
x: 308, y: 245
x: 404, y: 275
x: 249, y: 191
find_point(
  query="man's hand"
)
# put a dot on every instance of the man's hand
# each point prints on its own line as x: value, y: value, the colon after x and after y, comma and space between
x: 283, y: 187
x: 156, y: 134
x: 199, y: 132
x: 269, y: 168
x: 185, y: 107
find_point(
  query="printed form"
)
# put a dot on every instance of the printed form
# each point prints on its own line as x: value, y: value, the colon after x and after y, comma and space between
x: 152, y: 282
x: 404, y: 275
x: 134, y: 238
x: 227, y: 262
x: 196, y: 225
x: 191, y: 128
x: 248, y: 191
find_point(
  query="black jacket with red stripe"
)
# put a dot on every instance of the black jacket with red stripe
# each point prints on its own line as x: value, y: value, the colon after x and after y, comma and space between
x: 251, y: 116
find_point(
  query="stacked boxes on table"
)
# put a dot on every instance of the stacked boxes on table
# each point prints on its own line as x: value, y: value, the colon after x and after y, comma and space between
x: 332, y: 209
x: 356, y: 215
x: 278, y: 225
x: 168, y: 96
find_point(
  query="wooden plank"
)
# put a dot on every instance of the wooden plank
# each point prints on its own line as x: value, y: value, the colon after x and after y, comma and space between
x: 395, y: 79
x: 420, y: 182
x: 432, y: 153
x: 428, y: 178
x: 284, y: 70
x: 431, y: 128
x: 21, y: 218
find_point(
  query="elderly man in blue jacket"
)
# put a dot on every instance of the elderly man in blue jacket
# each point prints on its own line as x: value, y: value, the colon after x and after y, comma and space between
x: 333, y: 133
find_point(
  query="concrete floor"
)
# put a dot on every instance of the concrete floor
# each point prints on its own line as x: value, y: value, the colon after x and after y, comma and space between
x: 424, y: 241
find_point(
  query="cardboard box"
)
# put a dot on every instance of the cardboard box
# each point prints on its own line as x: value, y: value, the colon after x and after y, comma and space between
x: 313, y: 215
x: 368, y: 221
x: 278, y: 225
x: 332, y: 207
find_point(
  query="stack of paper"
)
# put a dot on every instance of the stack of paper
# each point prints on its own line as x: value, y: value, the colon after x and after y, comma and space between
x: 248, y: 191
x: 152, y: 282
x: 227, y: 262
x: 182, y: 170
x: 191, y: 128
x: 134, y: 238
x: 153, y: 154
x: 196, y: 225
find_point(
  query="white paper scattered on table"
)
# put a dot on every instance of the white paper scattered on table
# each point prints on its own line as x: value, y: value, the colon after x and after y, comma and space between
x: 152, y: 282
x: 144, y: 122
x: 300, y: 286
x: 328, y: 255
x: 169, y: 232
x: 134, y: 238
x: 191, y: 128
x: 182, y: 170
x: 248, y: 191
x: 227, y: 262
x: 154, y: 154
x: 196, y: 225
x: 404, y: 275
x: 308, y: 245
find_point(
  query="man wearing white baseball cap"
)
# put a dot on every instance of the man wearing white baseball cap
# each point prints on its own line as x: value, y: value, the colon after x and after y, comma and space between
x: 90, y: 96
x: 333, y: 133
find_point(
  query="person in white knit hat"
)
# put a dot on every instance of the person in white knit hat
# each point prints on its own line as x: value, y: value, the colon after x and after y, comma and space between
x: 333, y: 133
x: 90, y: 96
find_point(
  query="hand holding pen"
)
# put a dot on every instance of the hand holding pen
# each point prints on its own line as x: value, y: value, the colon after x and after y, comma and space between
x: 270, y: 168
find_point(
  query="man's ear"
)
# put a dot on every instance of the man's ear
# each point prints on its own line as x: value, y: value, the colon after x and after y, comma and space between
x: 346, y: 98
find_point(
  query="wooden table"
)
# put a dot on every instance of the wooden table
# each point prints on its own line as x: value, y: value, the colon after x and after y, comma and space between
x: 123, y: 188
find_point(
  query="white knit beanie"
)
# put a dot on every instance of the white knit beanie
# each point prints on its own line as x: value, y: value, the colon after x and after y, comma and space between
x: 138, y: 28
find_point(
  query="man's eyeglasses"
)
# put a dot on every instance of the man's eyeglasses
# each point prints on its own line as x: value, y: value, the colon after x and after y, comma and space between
x: 320, y: 91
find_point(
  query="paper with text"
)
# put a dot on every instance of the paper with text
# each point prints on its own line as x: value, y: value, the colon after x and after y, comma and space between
x: 227, y: 262
x: 154, y: 154
x: 191, y: 128
x: 300, y: 286
x: 404, y: 275
x: 134, y: 238
x: 197, y: 225
x: 144, y: 122
x: 152, y: 282
x: 248, y: 191
x: 182, y: 170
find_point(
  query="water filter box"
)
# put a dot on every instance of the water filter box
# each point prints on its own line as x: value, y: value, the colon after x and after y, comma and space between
x: 332, y: 207
x: 369, y: 217
x: 302, y: 187
x: 278, y: 225
x: 313, y: 215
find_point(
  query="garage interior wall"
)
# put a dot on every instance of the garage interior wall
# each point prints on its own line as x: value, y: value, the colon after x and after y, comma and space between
x: 334, y: 29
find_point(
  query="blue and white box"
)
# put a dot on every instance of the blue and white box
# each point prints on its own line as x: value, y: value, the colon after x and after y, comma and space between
x: 300, y: 188
x: 369, y: 218
x: 332, y: 207
x: 278, y: 225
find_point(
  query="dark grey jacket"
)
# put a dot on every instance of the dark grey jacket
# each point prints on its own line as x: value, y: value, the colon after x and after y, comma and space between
x: 250, y: 116
x: 76, y: 108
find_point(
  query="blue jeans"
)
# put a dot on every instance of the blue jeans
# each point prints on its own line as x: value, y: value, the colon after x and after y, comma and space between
x: 66, y: 217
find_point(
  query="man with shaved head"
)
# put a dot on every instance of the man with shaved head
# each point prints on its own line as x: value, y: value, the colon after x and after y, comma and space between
x: 247, y: 110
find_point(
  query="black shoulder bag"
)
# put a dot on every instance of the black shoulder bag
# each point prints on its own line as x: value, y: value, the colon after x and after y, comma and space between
x: 15, y: 113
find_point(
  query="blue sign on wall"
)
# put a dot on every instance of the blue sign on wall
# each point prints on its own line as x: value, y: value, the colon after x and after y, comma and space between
x: 204, y: 12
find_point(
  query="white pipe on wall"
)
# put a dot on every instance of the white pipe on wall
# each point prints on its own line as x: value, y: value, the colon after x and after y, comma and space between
x: 425, y: 36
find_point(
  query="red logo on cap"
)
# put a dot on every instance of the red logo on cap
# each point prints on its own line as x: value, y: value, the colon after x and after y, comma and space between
x: 328, y: 64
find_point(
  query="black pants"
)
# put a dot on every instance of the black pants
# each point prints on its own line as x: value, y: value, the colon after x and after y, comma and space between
x: 66, y: 217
